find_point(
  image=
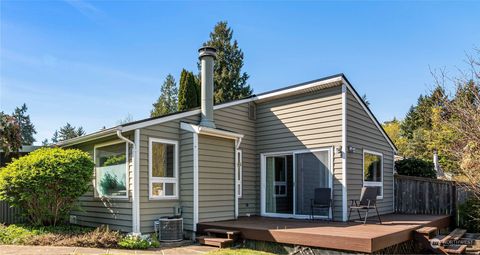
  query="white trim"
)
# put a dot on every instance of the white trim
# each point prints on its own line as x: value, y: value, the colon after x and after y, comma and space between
x: 195, y: 181
x: 127, y: 176
x: 299, y: 88
x: 163, y: 180
x: 263, y: 178
x: 136, y: 184
x: 393, y: 181
x: 233, y: 103
x: 368, y: 183
x: 210, y: 131
x: 146, y: 123
x: 344, y: 154
x: 360, y: 101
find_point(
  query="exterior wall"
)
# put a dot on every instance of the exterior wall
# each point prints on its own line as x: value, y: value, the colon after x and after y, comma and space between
x: 216, y: 178
x: 307, y: 121
x: 363, y: 134
x: 152, y: 209
x: 116, y: 213
x: 186, y: 178
x: 236, y: 119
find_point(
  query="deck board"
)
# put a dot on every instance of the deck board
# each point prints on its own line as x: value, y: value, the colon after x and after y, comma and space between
x: 371, y: 237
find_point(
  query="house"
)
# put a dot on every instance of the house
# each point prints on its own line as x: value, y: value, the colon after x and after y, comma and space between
x: 25, y: 150
x: 261, y: 155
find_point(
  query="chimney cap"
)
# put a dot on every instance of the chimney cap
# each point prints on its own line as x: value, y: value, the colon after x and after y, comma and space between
x: 207, y: 51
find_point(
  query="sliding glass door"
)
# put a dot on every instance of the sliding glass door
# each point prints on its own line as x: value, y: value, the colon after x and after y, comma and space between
x: 289, y: 181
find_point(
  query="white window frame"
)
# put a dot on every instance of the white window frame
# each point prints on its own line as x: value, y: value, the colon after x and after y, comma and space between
x: 163, y: 180
x: 263, y: 181
x: 239, y: 173
x: 127, y: 164
x: 370, y: 183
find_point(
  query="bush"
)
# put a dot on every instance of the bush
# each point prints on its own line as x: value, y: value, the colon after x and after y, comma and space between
x: 416, y: 167
x: 46, y: 183
x: 469, y: 215
x: 139, y: 242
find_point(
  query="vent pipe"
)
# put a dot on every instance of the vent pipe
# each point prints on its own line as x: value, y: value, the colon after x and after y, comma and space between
x: 207, y: 57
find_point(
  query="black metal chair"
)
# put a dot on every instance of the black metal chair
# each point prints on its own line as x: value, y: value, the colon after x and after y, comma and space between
x: 321, y: 200
x: 367, y: 202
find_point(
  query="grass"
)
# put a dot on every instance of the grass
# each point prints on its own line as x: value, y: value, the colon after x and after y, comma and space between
x: 240, y: 251
x: 71, y: 235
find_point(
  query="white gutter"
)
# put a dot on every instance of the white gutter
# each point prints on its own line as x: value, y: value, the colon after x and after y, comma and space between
x: 135, y: 177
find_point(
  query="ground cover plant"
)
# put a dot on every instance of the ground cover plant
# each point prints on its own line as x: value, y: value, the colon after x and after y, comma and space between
x: 72, y: 235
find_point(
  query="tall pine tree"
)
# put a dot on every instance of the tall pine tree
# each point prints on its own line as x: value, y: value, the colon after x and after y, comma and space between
x: 66, y: 132
x: 188, y: 93
x: 229, y: 80
x: 167, y: 102
x: 26, y: 126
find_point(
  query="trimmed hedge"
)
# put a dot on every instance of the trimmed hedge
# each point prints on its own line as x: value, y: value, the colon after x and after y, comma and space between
x: 47, y: 183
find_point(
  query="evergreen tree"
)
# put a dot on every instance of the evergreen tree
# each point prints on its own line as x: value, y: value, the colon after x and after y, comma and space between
x: 188, y: 93
x: 167, y: 102
x: 26, y: 126
x: 230, y: 83
x: 67, y: 132
x: 45, y: 142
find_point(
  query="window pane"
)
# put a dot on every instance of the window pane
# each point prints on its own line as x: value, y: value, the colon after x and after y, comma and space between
x: 163, y: 160
x: 280, y: 169
x: 169, y: 189
x: 157, y: 189
x: 372, y: 165
x: 111, y: 173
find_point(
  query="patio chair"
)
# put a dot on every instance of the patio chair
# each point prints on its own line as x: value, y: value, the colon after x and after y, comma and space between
x: 367, y: 202
x: 321, y: 200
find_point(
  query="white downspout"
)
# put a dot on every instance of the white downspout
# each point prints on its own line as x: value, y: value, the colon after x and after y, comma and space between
x: 135, y: 177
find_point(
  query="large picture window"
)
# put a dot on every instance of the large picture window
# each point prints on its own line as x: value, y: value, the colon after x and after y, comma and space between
x: 111, y: 170
x: 373, y: 170
x: 163, y: 169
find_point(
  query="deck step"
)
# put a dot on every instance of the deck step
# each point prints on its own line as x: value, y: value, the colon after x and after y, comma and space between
x: 455, y: 249
x: 427, y: 230
x: 215, y: 241
x: 231, y: 234
x: 454, y: 235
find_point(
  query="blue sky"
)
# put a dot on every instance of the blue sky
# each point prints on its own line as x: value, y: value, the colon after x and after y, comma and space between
x: 91, y: 63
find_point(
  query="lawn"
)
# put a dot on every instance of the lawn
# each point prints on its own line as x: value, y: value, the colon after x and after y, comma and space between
x: 238, y: 252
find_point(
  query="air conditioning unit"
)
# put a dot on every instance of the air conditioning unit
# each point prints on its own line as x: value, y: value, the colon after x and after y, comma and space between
x: 169, y: 229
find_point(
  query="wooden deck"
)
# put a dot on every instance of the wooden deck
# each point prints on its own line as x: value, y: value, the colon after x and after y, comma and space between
x: 371, y: 237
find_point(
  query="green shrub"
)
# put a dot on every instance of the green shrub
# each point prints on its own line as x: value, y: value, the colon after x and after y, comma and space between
x: 14, y: 234
x: 469, y: 215
x: 416, y: 167
x: 46, y: 183
x: 138, y: 242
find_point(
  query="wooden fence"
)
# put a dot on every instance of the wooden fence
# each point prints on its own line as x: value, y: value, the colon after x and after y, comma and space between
x: 418, y: 195
x: 9, y: 215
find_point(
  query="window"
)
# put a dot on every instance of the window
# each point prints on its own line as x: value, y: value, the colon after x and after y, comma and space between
x: 373, y: 170
x: 281, y: 176
x: 163, y: 169
x: 111, y: 170
x: 239, y: 173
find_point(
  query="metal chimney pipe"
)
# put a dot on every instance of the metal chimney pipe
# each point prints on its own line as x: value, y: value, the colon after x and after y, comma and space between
x: 207, y: 57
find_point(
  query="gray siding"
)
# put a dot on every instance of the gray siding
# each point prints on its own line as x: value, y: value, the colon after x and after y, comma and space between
x: 186, y: 178
x: 306, y: 121
x: 152, y: 209
x: 93, y: 211
x: 216, y: 178
x: 236, y: 119
x: 363, y: 134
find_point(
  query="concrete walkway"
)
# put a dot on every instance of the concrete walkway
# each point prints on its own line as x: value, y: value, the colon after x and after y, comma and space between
x: 56, y: 250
